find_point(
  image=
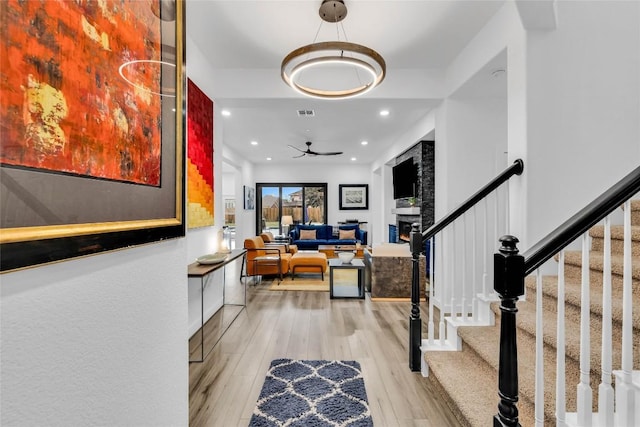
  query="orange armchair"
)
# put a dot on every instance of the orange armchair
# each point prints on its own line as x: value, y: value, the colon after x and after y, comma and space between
x: 266, y: 260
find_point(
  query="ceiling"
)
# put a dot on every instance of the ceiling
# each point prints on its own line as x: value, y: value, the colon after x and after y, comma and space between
x: 245, y: 41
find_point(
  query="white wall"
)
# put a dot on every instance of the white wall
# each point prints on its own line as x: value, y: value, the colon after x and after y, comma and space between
x: 472, y: 142
x: 203, y: 240
x: 245, y: 219
x: 100, y: 340
x: 582, y: 112
x: 572, y: 109
x: 206, y: 240
x: 228, y: 184
x: 103, y: 339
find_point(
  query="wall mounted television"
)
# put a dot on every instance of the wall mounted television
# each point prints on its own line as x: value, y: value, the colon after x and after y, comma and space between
x: 405, y: 179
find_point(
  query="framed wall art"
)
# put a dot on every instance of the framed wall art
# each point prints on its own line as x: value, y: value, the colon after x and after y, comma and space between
x: 91, y: 102
x: 249, y: 198
x: 199, y: 157
x: 354, y: 196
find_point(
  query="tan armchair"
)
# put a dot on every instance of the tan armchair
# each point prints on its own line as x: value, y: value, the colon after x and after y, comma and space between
x: 266, y: 259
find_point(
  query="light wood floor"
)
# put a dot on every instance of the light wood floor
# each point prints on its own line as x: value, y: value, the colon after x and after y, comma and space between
x: 308, y: 325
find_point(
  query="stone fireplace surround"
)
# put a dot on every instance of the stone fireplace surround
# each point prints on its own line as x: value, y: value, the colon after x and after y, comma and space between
x: 423, y: 153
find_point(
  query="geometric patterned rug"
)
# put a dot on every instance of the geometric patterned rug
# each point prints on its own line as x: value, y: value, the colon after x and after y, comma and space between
x: 313, y: 393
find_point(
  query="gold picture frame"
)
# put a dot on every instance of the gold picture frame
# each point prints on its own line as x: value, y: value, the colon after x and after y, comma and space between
x: 50, y: 214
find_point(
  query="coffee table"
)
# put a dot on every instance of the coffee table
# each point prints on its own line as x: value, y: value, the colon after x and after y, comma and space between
x: 349, y: 285
x: 331, y: 250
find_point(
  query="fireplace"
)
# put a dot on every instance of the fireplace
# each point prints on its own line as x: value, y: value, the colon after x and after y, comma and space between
x: 404, y: 230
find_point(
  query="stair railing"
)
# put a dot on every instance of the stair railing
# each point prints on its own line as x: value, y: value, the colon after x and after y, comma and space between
x: 511, y: 268
x: 460, y: 302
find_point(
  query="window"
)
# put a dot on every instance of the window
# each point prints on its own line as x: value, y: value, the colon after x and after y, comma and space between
x: 306, y: 203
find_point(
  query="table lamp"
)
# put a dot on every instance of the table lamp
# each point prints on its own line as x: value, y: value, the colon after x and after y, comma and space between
x: 223, y: 246
x: 286, y: 221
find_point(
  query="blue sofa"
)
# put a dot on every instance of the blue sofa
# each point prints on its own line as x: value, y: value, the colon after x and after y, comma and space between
x: 325, y: 235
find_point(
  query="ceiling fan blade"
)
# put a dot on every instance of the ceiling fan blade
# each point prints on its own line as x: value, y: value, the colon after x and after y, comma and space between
x: 314, y: 153
x: 330, y: 153
x: 296, y: 148
x: 301, y: 155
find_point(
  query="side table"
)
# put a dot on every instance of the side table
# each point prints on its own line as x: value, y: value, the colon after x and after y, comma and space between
x: 282, y: 239
x: 350, y: 286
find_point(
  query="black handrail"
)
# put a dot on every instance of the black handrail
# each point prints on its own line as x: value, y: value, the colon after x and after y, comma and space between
x: 515, y: 169
x: 511, y: 268
x: 416, y: 243
x: 582, y: 221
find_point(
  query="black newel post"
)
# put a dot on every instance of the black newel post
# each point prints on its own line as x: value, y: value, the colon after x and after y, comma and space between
x: 415, y: 324
x: 509, y: 284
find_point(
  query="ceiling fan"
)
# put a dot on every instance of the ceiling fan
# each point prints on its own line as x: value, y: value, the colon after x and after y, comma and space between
x: 314, y: 153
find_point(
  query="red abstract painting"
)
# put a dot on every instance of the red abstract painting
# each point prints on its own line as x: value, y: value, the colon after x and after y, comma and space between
x: 66, y: 105
x: 199, y: 157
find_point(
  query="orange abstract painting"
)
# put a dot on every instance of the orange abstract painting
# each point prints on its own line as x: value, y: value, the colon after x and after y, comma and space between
x: 80, y: 84
x: 199, y: 157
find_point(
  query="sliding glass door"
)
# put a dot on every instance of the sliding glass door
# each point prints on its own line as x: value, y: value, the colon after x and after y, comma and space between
x: 315, y: 202
x: 295, y: 203
x: 269, y: 202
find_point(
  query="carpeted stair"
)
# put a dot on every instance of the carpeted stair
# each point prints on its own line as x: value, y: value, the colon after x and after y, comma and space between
x: 468, y: 379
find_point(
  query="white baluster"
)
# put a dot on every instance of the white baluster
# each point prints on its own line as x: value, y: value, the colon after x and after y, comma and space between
x: 539, y: 380
x: 625, y: 403
x: 584, y: 392
x: 496, y: 211
x: 444, y: 287
x: 560, y: 353
x: 464, y: 286
x: 453, y: 273
x: 496, y: 230
x: 605, y: 390
x: 474, y: 272
x: 430, y: 325
x: 485, y: 255
x: 506, y: 208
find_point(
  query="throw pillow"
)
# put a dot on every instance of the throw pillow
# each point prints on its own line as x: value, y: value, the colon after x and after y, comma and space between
x: 347, y: 234
x: 307, y: 234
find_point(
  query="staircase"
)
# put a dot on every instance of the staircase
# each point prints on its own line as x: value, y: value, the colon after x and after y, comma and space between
x: 468, y: 379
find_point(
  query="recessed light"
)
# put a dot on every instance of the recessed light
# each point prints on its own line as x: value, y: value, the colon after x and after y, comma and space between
x: 384, y: 112
x: 254, y: 142
x: 268, y: 158
x: 364, y: 142
x: 226, y: 113
x: 353, y: 159
x: 173, y: 109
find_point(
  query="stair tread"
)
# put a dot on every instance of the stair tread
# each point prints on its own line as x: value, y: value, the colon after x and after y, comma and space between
x: 526, y: 322
x: 485, y: 340
x: 617, y: 232
x: 450, y: 370
x: 480, y: 344
x: 596, y: 263
x: 573, y: 296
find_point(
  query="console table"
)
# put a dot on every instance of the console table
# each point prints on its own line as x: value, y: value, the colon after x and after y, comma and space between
x: 201, y: 271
